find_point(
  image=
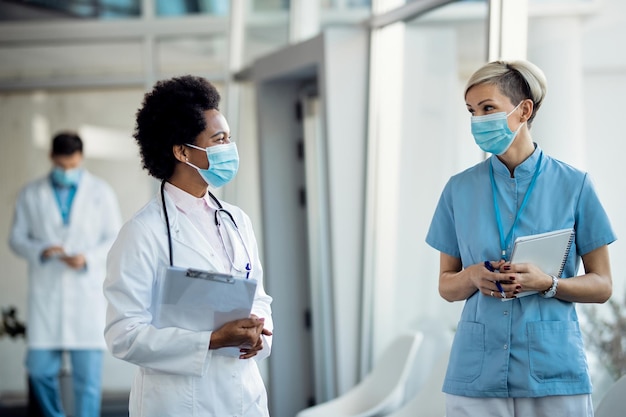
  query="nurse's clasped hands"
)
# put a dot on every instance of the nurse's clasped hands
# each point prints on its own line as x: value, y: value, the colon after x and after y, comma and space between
x: 489, y: 281
x: 246, y: 334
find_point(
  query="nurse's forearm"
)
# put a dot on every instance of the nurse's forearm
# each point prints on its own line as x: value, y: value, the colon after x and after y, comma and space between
x: 455, y: 286
x: 455, y: 283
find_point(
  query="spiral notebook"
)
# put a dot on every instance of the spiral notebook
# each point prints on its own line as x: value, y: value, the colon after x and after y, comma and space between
x: 548, y: 251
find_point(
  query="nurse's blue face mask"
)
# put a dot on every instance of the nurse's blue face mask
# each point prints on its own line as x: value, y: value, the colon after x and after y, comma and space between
x: 223, y: 164
x: 491, y: 132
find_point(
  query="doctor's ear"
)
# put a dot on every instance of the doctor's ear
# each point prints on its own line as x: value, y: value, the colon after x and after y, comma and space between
x: 180, y: 152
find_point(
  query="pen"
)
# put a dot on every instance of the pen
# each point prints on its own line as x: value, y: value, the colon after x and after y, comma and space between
x: 490, y: 268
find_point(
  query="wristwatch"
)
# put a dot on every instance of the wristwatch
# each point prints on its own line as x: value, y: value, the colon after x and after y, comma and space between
x: 551, y: 292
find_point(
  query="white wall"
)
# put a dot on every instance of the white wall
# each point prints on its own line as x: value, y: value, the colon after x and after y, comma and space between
x: 28, y: 121
x: 580, y: 123
x: 604, y: 88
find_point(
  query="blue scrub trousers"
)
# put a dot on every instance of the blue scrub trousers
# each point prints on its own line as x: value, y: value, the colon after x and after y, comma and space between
x: 43, y: 367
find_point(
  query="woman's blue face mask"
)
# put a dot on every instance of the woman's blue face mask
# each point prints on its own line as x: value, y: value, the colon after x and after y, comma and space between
x: 491, y: 132
x: 223, y: 164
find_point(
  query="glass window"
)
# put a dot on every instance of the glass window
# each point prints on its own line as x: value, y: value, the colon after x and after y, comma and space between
x: 266, y: 28
x: 54, y: 9
x: 201, y: 55
x: 423, y: 66
x: 269, y: 5
x: 346, y: 4
x: 69, y: 60
x: 190, y: 7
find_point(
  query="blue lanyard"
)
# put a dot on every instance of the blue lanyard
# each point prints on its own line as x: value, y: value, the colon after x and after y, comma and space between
x: 504, y: 242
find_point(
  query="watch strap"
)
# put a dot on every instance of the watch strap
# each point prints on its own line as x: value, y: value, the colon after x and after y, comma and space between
x: 551, y: 292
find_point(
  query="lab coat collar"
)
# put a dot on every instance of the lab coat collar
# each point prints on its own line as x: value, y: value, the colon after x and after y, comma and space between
x: 184, y: 233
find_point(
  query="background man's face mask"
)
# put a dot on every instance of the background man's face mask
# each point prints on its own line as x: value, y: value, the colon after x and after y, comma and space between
x: 66, y: 178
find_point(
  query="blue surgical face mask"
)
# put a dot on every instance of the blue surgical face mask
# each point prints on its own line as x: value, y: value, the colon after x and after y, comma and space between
x: 491, y: 132
x: 66, y: 178
x: 223, y: 164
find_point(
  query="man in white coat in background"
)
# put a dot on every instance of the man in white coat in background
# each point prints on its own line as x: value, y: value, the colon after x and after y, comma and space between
x: 64, y: 225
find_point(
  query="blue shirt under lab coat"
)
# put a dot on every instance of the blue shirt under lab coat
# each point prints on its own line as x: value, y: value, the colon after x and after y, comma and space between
x: 531, y: 346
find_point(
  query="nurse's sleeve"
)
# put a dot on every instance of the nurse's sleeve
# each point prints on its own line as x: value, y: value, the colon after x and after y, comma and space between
x: 593, y: 228
x: 442, y: 231
x: 132, y: 267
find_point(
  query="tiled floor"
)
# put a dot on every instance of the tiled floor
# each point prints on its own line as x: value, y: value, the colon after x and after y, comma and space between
x: 113, y: 405
x: 22, y: 412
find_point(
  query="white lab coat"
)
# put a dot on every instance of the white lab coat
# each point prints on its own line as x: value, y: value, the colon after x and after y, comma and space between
x: 178, y: 375
x: 66, y: 308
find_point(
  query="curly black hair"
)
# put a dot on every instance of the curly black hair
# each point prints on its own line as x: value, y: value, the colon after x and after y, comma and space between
x: 172, y: 114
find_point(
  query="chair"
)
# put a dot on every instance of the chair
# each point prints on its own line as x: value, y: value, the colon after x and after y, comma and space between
x: 429, y: 400
x: 612, y: 404
x: 382, y: 391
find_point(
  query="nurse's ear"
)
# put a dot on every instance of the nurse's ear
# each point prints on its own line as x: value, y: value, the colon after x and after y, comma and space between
x: 527, y: 107
x: 180, y: 153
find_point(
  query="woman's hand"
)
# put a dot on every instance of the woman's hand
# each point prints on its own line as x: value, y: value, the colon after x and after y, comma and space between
x: 490, y: 281
x: 457, y: 283
x: 244, y: 334
x: 527, y: 276
x: 595, y: 286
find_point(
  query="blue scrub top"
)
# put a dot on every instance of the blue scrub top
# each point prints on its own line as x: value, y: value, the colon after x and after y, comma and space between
x: 531, y: 346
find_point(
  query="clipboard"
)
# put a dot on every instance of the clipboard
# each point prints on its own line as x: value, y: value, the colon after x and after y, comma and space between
x: 199, y: 300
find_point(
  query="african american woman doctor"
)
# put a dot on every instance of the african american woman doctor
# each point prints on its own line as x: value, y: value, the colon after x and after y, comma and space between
x: 525, y: 356
x: 185, y: 142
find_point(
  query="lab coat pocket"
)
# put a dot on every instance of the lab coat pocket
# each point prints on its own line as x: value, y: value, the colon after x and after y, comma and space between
x: 468, y: 351
x: 556, y: 351
x: 164, y: 394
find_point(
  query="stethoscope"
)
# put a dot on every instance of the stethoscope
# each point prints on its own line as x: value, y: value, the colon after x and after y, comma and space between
x: 219, y: 214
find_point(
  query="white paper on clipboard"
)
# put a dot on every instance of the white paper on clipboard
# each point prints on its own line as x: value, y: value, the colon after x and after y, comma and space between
x: 200, y: 300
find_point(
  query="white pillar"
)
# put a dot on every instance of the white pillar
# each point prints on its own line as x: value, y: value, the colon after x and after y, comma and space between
x: 384, y: 139
x: 508, y: 26
x: 236, y: 30
x: 555, y: 46
x: 149, y: 46
x: 304, y: 20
